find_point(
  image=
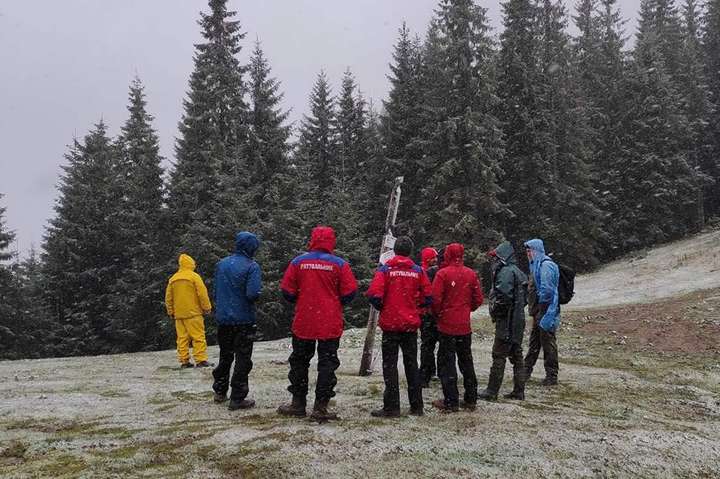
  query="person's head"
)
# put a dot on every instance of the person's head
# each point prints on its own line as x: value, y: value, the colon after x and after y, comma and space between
x: 186, y: 262
x: 403, y: 246
x: 428, y: 257
x: 322, y: 238
x: 534, y: 248
x: 246, y: 243
x: 454, y: 254
x: 504, y: 253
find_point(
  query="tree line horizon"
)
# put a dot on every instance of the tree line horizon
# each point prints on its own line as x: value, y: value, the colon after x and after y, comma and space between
x: 596, y: 148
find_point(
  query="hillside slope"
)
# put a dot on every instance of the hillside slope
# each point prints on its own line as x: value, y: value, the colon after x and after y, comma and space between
x: 623, y: 409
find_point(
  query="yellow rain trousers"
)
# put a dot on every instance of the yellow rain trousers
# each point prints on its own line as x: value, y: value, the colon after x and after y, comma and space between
x: 186, y: 300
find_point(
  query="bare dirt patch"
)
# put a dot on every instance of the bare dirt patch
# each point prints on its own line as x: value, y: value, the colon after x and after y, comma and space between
x: 688, y: 324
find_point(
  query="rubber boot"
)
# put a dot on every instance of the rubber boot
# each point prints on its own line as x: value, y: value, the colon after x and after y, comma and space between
x: 385, y: 413
x: 320, y: 411
x: 243, y: 404
x: 518, y: 392
x: 549, y: 381
x: 494, y: 383
x: 296, y: 408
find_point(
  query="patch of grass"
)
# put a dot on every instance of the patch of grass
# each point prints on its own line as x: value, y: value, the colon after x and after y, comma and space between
x: 64, y: 466
x: 15, y: 450
x: 186, y: 396
x: 114, y: 394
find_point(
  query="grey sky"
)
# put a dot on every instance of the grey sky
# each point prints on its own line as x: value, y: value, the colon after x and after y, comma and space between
x: 65, y: 64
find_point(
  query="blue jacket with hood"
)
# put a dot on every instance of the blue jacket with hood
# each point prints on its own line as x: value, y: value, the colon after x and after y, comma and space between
x: 547, y: 276
x: 238, y: 283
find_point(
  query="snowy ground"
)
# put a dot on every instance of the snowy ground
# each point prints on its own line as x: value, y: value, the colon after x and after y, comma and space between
x: 677, y: 268
x: 623, y: 409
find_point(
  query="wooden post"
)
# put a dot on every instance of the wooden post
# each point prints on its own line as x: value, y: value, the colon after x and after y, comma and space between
x: 387, y: 245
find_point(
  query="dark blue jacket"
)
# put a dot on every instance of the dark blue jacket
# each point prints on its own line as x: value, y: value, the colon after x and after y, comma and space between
x: 238, y: 283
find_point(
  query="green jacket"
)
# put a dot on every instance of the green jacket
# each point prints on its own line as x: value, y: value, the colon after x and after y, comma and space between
x: 508, y: 295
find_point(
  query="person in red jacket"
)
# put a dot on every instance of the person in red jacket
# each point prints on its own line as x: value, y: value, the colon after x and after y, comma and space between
x: 456, y: 293
x: 319, y: 283
x: 399, y: 290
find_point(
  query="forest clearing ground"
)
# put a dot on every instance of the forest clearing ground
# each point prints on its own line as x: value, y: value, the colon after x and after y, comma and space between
x: 639, y: 397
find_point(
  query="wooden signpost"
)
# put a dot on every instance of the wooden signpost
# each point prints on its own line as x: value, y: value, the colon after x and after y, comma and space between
x: 386, y: 252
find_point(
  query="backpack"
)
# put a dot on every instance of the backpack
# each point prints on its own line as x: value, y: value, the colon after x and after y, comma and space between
x: 566, y: 284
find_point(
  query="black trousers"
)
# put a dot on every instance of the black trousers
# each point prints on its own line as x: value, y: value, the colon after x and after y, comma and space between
x: 541, y: 339
x: 452, y: 349
x: 236, y: 344
x: 429, y: 336
x: 502, y: 351
x: 328, y: 362
x: 392, y: 343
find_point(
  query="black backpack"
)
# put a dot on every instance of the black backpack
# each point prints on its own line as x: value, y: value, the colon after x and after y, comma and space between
x: 566, y: 285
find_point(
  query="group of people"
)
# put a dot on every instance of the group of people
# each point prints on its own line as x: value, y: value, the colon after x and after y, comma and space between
x: 436, y: 297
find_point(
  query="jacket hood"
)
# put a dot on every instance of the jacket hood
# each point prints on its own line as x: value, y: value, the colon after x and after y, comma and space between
x: 185, y: 262
x: 537, y: 246
x: 454, y: 254
x: 323, y: 239
x: 505, y: 252
x: 400, y: 262
x: 427, y: 255
x: 246, y: 243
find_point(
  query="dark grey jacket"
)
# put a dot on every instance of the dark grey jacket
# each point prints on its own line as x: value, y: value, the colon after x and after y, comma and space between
x: 508, y: 295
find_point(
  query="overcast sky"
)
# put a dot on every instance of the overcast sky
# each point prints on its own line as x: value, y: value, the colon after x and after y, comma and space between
x: 66, y: 64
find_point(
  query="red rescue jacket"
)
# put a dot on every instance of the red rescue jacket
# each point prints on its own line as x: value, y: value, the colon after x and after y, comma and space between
x: 456, y: 293
x: 319, y: 283
x: 399, y: 289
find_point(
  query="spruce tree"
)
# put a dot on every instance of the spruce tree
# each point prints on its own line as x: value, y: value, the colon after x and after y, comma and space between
x: 461, y: 136
x: 577, y: 219
x: 137, y: 308
x: 400, y: 122
x: 711, y: 51
x: 696, y: 106
x: 315, y: 156
x: 10, y: 333
x: 530, y: 185
x: 657, y: 186
x: 81, y: 258
x: 38, y: 336
x: 210, y: 175
x: 272, y: 192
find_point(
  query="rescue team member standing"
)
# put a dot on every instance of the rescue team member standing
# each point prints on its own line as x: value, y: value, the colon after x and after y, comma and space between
x: 507, y: 310
x: 186, y: 300
x: 428, y: 330
x: 399, y: 290
x: 319, y: 283
x: 238, y: 283
x: 544, y: 305
x: 456, y: 293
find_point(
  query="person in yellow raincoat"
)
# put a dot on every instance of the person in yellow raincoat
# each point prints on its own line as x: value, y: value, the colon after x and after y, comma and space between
x: 186, y: 300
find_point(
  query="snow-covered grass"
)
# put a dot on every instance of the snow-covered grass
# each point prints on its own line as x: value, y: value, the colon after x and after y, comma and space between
x: 618, y: 412
x: 670, y: 270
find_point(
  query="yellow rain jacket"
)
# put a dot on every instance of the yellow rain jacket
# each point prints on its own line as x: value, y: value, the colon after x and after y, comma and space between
x: 186, y: 295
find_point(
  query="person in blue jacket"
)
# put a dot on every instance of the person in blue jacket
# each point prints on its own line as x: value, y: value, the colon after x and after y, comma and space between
x: 544, y: 306
x: 238, y: 284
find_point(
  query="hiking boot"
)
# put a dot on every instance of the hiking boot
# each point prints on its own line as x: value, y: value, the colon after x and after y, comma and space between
x: 204, y: 364
x: 219, y: 398
x: 549, y: 382
x: 296, y: 408
x: 440, y: 404
x: 385, y: 413
x: 468, y: 406
x: 244, y: 404
x: 320, y: 412
x: 417, y: 411
x: 516, y: 395
x: 487, y: 395
x: 186, y: 365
